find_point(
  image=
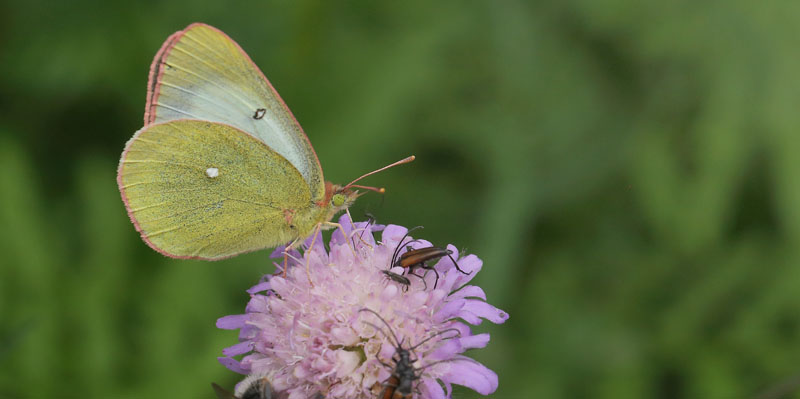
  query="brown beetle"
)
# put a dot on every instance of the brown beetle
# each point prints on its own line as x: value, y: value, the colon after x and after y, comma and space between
x: 414, y: 259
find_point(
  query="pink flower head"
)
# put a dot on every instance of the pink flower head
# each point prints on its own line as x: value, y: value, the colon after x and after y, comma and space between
x: 325, y: 339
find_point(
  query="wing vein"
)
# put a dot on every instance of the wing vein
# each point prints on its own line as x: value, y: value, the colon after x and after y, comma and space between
x: 231, y: 92
x: 219, y: 54
x: 196, y: 94
x: 222, y: 56
x: 171, y: 215
x: 147, y: 207
x: 158, y: 161
x: 160, y: 104
x: 163, y: 231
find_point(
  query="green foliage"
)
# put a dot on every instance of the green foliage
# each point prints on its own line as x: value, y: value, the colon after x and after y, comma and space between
x: 627, y: 171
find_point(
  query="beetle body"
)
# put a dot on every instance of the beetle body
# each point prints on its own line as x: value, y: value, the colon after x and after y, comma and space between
x: 419, y: 258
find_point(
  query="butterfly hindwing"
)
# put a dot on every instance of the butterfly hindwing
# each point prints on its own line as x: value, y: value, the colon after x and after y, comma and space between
x: 198, y: 189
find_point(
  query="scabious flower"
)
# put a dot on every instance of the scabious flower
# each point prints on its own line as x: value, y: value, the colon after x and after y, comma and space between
x: 310, y: 339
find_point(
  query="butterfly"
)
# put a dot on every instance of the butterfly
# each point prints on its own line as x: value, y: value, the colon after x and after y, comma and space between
x: 221, y: 166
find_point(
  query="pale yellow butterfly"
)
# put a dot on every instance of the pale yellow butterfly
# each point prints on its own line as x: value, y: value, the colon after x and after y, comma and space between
x: 221, y: 166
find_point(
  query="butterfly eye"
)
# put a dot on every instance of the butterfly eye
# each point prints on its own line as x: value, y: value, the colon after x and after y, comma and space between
x: 337, y: 200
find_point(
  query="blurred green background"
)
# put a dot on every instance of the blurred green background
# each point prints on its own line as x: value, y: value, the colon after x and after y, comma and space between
x: 629, y: 172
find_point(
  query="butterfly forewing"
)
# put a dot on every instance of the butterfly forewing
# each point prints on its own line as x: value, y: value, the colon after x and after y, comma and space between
x: 197, y: 189
x: 200, y: 73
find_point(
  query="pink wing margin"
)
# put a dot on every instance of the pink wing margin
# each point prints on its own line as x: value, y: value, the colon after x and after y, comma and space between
x: 154, y: 77
x: 154, y: 81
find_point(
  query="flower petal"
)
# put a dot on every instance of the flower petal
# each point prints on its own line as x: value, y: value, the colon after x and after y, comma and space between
x: 450, y: 310
x: 471, y: 265
x: 298, y: 394
x: 417, y: 244
x: 389, y: 292
x: 392, y: 234
x: 337, y: 238
x: 233, y: 365
x: 249, y: 331
x: 470, y: 318
x: 344, y: 336
x: 232, y: 322
x: 262, y: 286
x: 238, y: 349
x: 431, y: 389
x: 277, y: 253
x: 470, y: 291
x: 453, y: 248
x: 319, y: 246
x: 348, y: 362
x: 449, y: 280
x: 474, y: 341
x: 473, y: 375
x: 485, y: 310
x: 257, y: 304
x: 447, y: 350
x: 448, y: 262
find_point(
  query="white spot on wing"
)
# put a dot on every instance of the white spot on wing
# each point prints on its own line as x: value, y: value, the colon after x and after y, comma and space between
x: 212, y: 172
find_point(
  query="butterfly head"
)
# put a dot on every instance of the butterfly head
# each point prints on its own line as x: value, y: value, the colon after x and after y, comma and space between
x: 342, y: 197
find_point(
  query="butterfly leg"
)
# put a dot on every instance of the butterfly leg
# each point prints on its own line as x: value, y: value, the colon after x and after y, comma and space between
x: 341, y: 228
x: 286, y: 255
x: 307, y: 255
x: 354, y: 229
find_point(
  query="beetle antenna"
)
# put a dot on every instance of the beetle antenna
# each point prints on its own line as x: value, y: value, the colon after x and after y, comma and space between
x: 458, y: 334
x: 384, y: 322
x: 400, y: 245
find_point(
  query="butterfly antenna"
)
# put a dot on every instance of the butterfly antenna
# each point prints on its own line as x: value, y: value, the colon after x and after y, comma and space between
x: 379, y: 190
